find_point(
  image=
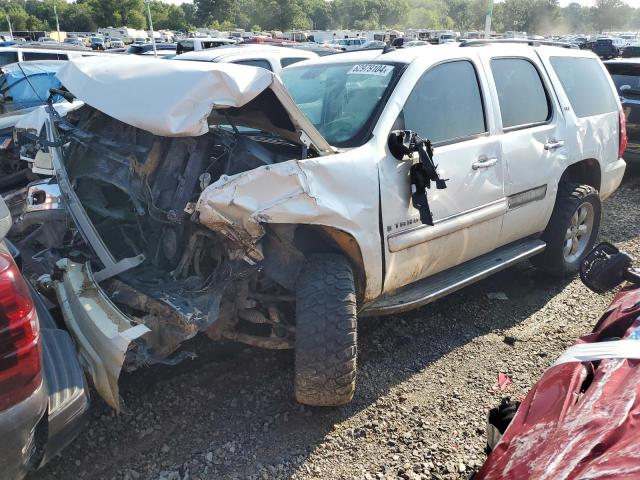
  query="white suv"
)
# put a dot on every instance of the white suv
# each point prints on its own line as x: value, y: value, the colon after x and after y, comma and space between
x: 348, y: 44
x: 271, y: 57
x: 219, y: 203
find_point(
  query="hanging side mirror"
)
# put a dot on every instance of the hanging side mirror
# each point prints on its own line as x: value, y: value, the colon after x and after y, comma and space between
x: 606, y: 267
x: 402, y: 144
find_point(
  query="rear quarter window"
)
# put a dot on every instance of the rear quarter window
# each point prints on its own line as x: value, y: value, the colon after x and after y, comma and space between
x: 8, y: 57
x: 626, y: 76
x: 255, y: 63
x: 586, y: 85
x: 43, y: 56
x: 185, y: 46
x: 285, y: 62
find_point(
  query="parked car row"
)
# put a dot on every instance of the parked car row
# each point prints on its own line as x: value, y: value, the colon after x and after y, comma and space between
x: 219, y: 201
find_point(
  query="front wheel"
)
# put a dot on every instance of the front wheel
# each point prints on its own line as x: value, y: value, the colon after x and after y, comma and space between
x: 326, y: 344
x: 572, y: 229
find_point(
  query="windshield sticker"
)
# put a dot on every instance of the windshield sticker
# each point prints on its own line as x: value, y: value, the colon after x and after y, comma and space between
x: 371, y: 69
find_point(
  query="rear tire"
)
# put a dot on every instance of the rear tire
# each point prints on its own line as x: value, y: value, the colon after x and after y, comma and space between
x: 572, y: 230
x: 326, y: 329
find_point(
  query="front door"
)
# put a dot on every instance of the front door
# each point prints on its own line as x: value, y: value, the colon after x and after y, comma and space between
x: 448, y: 107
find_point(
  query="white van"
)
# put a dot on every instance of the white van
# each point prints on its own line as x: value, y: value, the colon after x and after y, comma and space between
x: 16, y: 53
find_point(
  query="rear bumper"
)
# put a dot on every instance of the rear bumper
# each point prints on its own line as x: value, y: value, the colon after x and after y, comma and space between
x: 68, y: 398
x: 29, y: 437
x: 62, y: 395
x: 611, y: 177
x: 18, y: 426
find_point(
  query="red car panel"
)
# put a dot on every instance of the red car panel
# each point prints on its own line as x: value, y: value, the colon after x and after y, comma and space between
x: 581, y: 420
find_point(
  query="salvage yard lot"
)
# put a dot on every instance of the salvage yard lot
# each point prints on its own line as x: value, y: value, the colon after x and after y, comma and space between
x: 425, y: 382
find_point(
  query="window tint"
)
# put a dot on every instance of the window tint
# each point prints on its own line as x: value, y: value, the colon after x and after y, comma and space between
x: 43, y: 56
x: 255, y: 63
x: 211, y: 44
x: 446, y: 104
x: 185, y: 46
x: 285, y: 62
x: 8, y: 57
x: 522, y: 98
x: 586, y: 85
x: 625, y: 75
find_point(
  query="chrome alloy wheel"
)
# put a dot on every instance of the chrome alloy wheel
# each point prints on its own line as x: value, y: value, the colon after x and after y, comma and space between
x: 579, y: 232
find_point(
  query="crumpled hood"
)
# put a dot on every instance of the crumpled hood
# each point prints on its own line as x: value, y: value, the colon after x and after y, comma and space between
x: 181, y: 99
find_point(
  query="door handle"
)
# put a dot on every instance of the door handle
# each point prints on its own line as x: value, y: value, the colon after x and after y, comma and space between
x: 553, y: 144
x: 484, y: 163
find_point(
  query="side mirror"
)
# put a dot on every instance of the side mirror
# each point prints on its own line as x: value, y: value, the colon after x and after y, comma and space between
x: 402, y: 145
x: 604, y: 268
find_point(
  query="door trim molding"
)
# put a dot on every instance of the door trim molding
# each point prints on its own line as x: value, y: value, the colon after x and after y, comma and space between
x: 425, y: 233
x: 527, y: 196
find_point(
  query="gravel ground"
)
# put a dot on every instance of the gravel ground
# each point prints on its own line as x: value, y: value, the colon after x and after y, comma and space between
x: 426, y: 380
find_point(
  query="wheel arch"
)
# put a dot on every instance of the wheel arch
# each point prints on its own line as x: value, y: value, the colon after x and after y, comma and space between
x: 585, y: 172
x: 312, y: 239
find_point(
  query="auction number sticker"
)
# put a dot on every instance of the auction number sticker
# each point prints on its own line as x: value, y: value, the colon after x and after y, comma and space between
x: 371, y: 69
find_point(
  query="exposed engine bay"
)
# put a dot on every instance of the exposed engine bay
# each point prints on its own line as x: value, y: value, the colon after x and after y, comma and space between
x: 139, y: 192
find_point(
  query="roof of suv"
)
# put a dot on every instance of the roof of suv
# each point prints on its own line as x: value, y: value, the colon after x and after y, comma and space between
x: 220, y: 54
x: 408, y: 55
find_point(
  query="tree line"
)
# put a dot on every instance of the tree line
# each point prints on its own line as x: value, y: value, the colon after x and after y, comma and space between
x: 532, y: 16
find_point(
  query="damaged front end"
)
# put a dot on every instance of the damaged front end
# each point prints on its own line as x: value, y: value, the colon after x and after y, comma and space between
x: 148, y: 273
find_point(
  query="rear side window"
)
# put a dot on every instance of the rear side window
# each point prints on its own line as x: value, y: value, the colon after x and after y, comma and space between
x: 626, y: 77
x: 185, y: 46
x: 255, y: 63
x: 446, y: 104
x: 43, y: 56
x: 521, y: 94
x: 585, y: 84
x: 212, y: 44
x: 8, y: 57
x: 285, y: 62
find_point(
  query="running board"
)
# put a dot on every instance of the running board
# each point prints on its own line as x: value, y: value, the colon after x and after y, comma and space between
x: 437, y: 286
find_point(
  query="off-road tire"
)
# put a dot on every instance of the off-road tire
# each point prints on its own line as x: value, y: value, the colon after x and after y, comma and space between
x: 569, y: 198
x: 326, y: 343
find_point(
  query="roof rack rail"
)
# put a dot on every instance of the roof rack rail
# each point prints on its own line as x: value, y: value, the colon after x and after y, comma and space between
x: 523, y: 41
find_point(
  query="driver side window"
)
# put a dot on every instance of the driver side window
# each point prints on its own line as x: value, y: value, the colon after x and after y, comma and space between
x: 446, y: 104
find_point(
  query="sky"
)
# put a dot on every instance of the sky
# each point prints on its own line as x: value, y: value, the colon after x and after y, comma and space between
x: 631, y: 3
x: 589, y: 3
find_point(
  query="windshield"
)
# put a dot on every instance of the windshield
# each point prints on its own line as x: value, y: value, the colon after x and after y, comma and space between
x: 342, y: 100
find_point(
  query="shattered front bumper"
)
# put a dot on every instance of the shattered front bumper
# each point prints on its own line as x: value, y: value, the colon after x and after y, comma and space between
x: 102, y: 332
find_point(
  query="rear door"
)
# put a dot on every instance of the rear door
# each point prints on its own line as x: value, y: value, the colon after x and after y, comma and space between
x: 531, y: 136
